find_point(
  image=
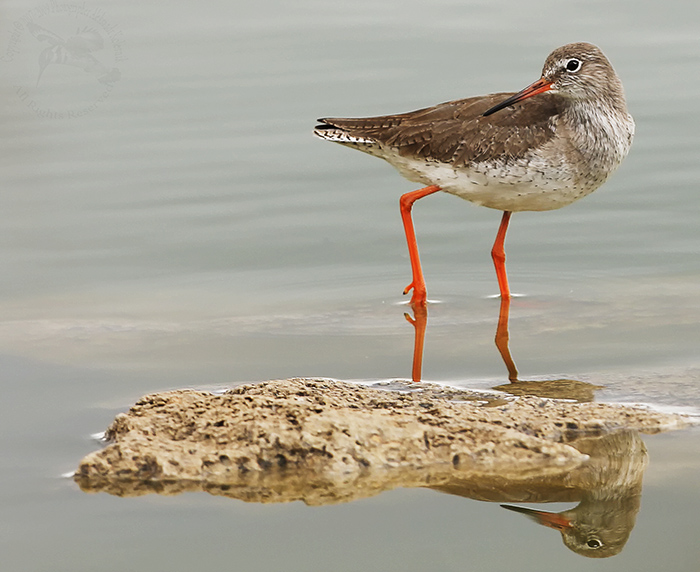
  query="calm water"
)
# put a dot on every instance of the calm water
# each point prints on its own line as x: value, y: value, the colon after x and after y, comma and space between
x: 168, y: 220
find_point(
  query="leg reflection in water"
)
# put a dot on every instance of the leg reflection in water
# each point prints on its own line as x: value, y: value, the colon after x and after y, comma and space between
x: 554, y: 388
x: 419, y: 321
x: 502, y: 339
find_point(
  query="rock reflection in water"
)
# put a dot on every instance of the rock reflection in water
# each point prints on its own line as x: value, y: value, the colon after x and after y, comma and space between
x: 608, y: 489
x: 325, y: 442
x: 580, y: 391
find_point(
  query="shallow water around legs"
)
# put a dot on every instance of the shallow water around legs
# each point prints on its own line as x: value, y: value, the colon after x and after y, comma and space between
x: 169, y: 221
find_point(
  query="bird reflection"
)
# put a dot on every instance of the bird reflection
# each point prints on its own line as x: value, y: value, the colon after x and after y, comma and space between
x: 609, y: 488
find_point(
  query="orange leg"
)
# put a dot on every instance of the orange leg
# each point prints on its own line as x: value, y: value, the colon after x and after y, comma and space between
x: 419, y: 323
x: 498, y: 254
x: 418, y: 284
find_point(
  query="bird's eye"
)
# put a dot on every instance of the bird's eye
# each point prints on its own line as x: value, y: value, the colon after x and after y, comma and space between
x: 573, y: 65
x: 594, y: 543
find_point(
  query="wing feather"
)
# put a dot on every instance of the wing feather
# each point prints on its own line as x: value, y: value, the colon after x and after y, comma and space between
x: 456, y: 132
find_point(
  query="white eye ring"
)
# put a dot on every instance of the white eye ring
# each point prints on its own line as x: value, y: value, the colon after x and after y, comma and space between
x: 573, y: 65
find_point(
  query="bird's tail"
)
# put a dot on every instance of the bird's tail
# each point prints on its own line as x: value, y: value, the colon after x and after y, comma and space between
x: 329, y: 132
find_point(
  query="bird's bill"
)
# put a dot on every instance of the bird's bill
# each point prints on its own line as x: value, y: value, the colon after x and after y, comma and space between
x: 540, y: 86
x: 551, y: 519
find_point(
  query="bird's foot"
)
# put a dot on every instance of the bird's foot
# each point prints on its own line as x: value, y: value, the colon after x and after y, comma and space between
x: 420, y: 295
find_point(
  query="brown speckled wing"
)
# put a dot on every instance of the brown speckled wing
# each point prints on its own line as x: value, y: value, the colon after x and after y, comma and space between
x: 456, y: 132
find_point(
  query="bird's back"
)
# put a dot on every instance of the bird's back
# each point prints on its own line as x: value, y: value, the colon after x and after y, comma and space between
x: 454, y: 133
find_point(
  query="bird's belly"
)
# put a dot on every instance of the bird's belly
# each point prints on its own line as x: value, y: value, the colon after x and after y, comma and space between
x: 516, y: 186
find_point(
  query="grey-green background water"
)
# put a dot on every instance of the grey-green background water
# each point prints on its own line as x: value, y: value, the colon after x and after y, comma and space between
x: 181, y: 227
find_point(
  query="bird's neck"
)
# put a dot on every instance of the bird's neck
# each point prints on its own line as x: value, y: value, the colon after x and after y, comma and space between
x: 601, y: 130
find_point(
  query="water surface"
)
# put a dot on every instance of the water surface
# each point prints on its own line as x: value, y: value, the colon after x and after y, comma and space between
x: 179, y: 226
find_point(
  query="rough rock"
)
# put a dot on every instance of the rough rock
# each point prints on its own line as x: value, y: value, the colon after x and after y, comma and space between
x: 327, y: 441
